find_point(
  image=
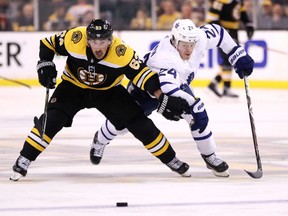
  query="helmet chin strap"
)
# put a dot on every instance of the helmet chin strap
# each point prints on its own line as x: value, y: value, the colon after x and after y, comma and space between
x: 174, y: 42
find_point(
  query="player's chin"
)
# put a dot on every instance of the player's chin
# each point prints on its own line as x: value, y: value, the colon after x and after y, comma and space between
x: 186, y: 57
x: 99, y: 54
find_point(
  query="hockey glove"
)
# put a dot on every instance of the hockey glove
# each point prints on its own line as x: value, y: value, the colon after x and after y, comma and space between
x: 47, y: 73
x: 249, y: 30
x: 172, y: 107
x: 241, y: 61
x: 200, y: 116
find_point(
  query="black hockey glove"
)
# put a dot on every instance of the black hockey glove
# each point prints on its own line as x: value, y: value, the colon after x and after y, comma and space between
x: 249, y: 30
x: 172, y: 107
x: 47, y: 73
x: 200, y: 116
x: 241, y: 61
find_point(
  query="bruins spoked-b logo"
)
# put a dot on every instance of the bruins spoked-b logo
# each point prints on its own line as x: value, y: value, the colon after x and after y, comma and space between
x: 91, y: 77
x: 120, y: 50
x: 76, y: 36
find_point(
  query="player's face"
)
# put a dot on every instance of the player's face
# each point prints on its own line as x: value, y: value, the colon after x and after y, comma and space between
x: 185, y: 49
x: 99, y: 47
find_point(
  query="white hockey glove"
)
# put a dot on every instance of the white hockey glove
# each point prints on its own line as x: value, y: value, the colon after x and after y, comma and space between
x: 200, y: 116
x: 172, y: 107
x: 241, y: 61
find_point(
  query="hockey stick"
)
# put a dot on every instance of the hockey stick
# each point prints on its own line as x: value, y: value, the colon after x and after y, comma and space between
x: 269, y: 49
x: 42, y: 128
x: 259, y: 173
x: 15, y: 81
x: 277, y: 51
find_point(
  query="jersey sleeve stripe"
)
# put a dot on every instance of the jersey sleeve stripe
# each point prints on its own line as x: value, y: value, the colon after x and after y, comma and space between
x: 145, y: 79
x: 48, y: 44
x: 172, y: 91
x: 140, y: 80
x: 164, y: 83
x: 221, y: 37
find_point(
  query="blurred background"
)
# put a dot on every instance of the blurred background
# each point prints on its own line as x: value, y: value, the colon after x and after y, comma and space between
x: 141, y: 24
x: 50, y: 15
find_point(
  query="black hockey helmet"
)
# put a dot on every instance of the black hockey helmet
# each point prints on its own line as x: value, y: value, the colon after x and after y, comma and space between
x: 99, y: 29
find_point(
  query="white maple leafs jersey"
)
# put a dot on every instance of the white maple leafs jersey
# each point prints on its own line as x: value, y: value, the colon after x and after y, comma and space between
x: 176, y: 74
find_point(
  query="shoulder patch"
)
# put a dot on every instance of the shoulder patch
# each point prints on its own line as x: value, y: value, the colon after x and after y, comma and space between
x: 120, y: 50
x: 76, y: 36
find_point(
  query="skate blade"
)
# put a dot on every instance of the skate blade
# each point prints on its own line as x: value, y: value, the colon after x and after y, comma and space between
x: 224, y: 174
x: 186, y: 174
x: 15, y: 176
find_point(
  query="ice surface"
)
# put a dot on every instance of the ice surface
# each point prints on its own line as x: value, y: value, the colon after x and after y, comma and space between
x: 63, y: 181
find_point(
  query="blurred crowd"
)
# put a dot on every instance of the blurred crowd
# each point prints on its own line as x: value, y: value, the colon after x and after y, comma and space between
x: 54, y: 15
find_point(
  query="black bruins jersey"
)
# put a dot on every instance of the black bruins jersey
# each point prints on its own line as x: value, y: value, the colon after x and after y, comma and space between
x: 85, y: 71
x: 228, y: 13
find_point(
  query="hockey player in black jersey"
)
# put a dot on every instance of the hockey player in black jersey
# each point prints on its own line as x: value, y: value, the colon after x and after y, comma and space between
x: 228, y: 14
x: 95, y: 66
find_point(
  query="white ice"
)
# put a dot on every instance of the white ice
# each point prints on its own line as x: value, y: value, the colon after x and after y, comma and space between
x: 63, y: 181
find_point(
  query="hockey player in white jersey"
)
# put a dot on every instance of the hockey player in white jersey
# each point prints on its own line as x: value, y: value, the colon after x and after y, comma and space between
x: 177, y: 59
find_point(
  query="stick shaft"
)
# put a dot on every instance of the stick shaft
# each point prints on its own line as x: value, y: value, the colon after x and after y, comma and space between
x: 45, y: 113
x: 252, y: 123
x: 270, y: 49
x: 15, y: 81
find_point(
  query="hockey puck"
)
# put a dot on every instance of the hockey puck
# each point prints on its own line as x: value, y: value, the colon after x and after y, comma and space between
x: 121, y: 204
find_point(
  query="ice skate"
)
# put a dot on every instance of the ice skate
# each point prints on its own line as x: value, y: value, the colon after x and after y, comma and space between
x: 97, y: 150
x: 213, y: 87
x: 217, y: 165
x: 20, y: 168
x: 179, y: 167
x: 228, y: 93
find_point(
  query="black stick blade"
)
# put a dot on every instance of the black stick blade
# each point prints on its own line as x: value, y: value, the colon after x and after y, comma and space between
x: 38, y: 125
x: 256, y: 175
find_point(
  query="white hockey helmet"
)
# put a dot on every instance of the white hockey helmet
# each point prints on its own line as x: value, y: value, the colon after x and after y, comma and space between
x: 184, y: 30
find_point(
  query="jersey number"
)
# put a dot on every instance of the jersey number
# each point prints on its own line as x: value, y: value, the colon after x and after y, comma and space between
x: 209, y: 32
x: 164, y: 72
x: 61, y: 37
x: 135, y: 62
